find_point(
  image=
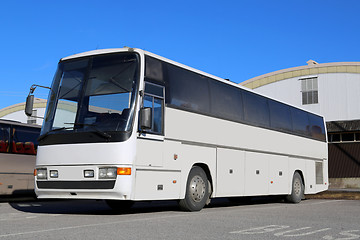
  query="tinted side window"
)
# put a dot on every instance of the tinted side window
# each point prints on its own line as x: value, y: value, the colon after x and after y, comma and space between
x: 187, y: 90
x: 300, y: 122
x: 4, y: 138
x: 256, y: 110
x: 317, y: 128
x: 226, y: 101
x: 280, y: 116
x: 25, y: 140
x: 154, y: 69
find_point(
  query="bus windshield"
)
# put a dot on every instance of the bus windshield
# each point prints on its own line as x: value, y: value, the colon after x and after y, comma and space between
x: 93, y: 94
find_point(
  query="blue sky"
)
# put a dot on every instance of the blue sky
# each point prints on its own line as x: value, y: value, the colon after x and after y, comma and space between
x: 237, y: 39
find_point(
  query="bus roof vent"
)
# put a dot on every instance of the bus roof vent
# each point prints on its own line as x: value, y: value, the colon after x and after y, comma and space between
x: 311, y: 62
x: 129, y: 49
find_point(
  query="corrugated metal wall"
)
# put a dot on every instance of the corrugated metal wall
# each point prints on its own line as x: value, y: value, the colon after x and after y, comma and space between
x: 344, y: 160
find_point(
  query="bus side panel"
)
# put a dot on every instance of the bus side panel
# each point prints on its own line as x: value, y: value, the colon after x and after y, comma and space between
x: 256, y: 174
x: 149, y: 153
x: 310, y: 186
x: 278, y: 175
x: 157, y: 185
x: 172, y: 155
x: 16, y: 173
x: 230, y: 172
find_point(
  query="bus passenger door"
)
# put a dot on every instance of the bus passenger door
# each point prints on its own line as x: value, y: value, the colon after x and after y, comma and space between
x: 150, y: 143
x: 152, y: 181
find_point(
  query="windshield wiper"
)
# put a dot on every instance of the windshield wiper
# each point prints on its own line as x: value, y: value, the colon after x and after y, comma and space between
x: 98, y: 131
x: 53, y: 130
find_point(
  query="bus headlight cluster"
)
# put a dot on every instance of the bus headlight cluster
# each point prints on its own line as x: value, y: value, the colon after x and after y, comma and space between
x: 107, y: 173
x: 41, y: 173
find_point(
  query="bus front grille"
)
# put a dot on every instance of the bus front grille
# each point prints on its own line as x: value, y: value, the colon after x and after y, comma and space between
x: 75, y: 184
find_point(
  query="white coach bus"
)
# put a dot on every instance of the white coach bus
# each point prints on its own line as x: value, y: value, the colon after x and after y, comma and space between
x: 127, y: 125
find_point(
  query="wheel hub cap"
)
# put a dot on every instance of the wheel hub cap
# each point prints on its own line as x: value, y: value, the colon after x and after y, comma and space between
x: 197, y: 188
x: 297, y: 187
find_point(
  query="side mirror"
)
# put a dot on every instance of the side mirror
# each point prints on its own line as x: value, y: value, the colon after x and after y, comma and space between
x: 145, y: 118
x: 29, y: 105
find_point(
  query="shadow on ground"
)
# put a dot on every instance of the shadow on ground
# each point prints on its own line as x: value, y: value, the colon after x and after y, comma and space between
x: 99, y: 207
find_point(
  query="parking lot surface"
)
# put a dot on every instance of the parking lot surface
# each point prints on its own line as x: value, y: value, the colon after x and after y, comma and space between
x: 259, y: 219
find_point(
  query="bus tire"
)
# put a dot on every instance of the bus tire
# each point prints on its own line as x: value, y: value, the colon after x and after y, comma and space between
x: 297, y: 190
x: 119, y: 205
x: 197, y: 191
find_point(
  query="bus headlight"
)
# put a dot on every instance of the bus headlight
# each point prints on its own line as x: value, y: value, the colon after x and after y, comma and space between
x: 54, y: 173
x: 88, y: 173
x: 41, y: 173
x: 107, y: 173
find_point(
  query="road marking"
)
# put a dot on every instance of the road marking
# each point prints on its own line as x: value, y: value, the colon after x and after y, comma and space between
x: 348, y: 234
x: 91, y: 225
x: 285, y: 234
x: 265, y: 229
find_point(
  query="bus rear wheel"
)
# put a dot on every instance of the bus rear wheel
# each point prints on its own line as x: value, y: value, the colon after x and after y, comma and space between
x: 197, y: 191
x: 297, y: 191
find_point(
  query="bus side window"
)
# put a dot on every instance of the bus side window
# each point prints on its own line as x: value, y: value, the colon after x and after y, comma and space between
x: 4, y: 138
x: 24, y: 140
x: 18, y: 147
x: 2, y: 146
x: 154, y: 99
x: 29, y: 148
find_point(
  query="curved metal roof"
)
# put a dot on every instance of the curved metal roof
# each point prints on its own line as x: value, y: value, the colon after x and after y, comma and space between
x: 312, y: 68
x: 38, y: 103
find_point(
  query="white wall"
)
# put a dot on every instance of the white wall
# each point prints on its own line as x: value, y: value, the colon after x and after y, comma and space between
x: 339, y: 95
x: 21, y: 117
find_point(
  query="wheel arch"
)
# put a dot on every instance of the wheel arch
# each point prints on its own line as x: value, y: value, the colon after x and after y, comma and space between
x: 301, y: 175
x: 208, y: 174
x: 296, y: 191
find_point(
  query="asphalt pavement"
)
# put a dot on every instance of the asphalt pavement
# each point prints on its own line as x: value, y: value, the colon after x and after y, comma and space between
x: 262, y: 218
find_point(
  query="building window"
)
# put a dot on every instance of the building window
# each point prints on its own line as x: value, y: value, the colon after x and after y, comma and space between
x: 32, y: 118
x: 344, y: 137
x: 309, y: 90
x: 347, y: 137
x: 357, y: 136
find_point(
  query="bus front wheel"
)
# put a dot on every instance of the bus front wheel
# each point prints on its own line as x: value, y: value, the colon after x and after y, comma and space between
x: 197, y: 191
x: 297, y: 191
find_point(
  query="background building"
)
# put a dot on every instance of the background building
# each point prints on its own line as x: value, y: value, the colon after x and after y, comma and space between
x: 17, y: 112
x: 332, y: 90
